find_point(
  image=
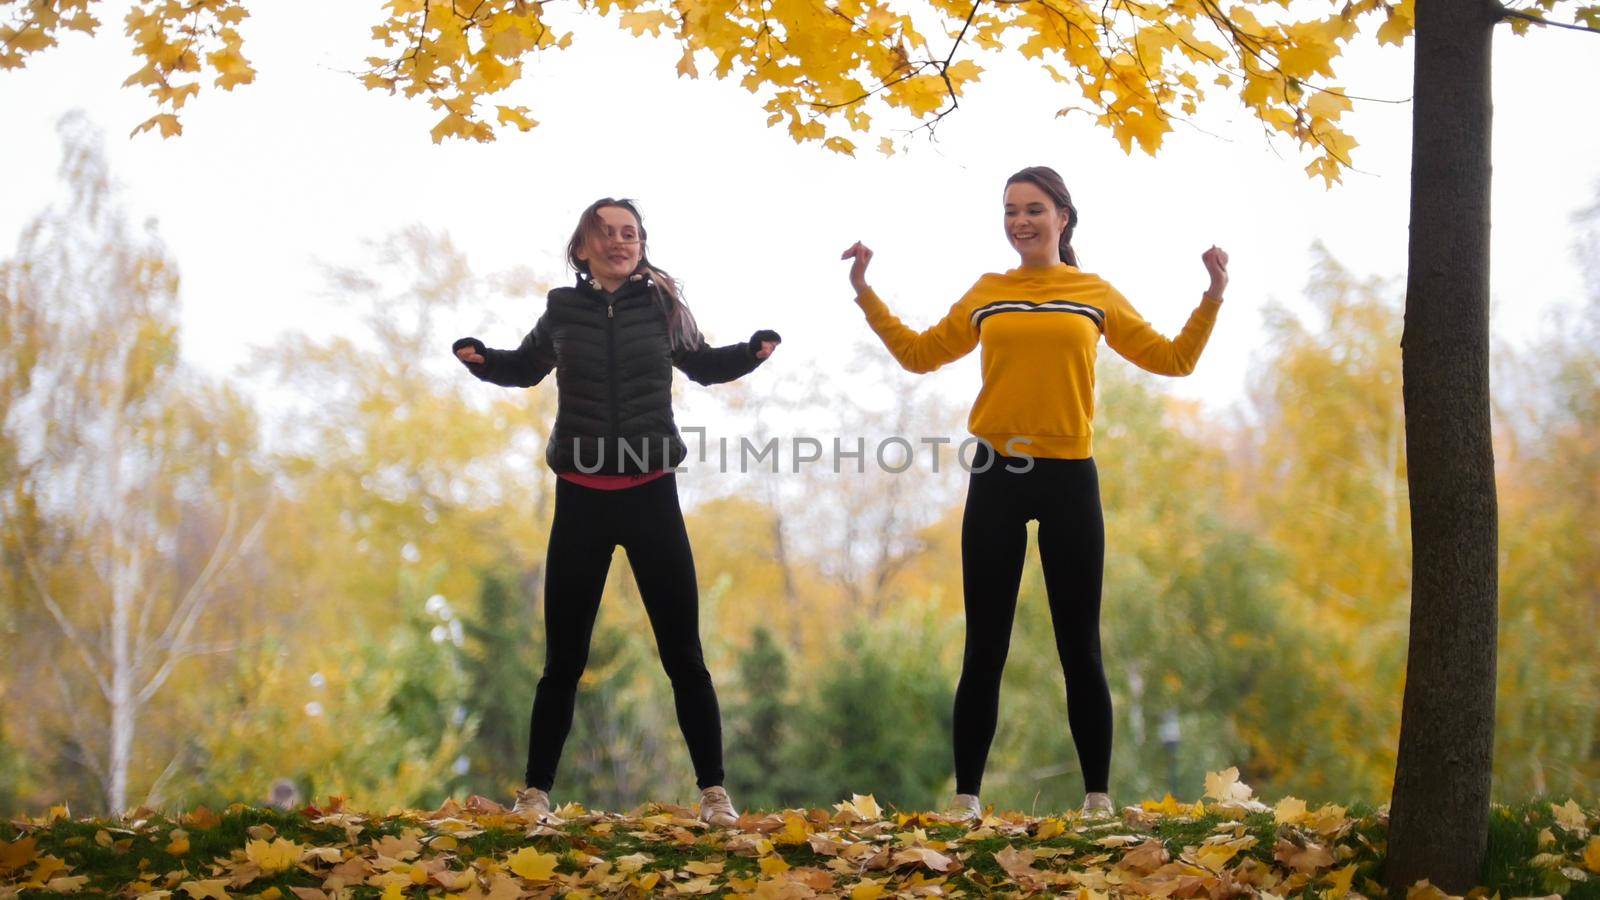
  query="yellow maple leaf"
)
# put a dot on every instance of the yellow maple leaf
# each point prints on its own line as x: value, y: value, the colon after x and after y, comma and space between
x: 1215, y: 856
x: 531, y: 864
x: 516, y: 115
x: 867, y: 805
x: 18, y: 853
x: 704, y: 884
x: 232, y: 68
x: 840, y: 145
x: 66, y: 884
x: 1289, y: 811
x: 1401, y: 22
x: 1328, y: 104
x: 1339, y: 880
x: 215, y: 888
x: 1050, y: 828
x: 1168, y: 806
x: 1144, y: 127
x: 641, y: 21
x: 503, y: 887
x: 1225, y: 785
x: 45, y: 868
x: 633, y: 862
x: 794, y: 830
x: 1327, y: 819
x: 1570, y: 816
x: 961, y: 73
x: 179, y: 845
x: 201, y: 818
x: 1591, y: 855
x: 274, y: 857
x: 166, y: 122
x: 922, y: 95
x: 866, y: 890
x: 773, y: 865
x: 924, y: 856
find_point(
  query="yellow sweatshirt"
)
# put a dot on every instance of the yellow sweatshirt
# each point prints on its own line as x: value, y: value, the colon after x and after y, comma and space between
x: 1040, y: 330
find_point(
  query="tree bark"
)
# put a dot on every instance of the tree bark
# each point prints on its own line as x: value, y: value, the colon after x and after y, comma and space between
x: 1440, y: 807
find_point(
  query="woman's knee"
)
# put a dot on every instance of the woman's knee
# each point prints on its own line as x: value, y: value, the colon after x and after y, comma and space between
x: 687, y: 668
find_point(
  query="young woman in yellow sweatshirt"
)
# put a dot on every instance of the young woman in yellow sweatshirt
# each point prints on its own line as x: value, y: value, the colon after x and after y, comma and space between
x: 1040, y: 326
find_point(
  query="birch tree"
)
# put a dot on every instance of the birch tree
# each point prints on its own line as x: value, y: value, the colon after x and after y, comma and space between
x: 109, y: 459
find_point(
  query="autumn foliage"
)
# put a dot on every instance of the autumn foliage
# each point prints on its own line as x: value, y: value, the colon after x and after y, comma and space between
x: 1226, y: 844
x: 834, y: 73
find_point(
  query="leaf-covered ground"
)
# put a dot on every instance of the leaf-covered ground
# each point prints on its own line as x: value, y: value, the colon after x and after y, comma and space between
x: 1227, y: 845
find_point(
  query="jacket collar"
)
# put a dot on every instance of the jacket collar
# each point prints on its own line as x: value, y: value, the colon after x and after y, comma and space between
x: 636, y: 283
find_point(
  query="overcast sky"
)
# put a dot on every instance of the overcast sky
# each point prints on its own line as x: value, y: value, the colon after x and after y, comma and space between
x: 305, y: 164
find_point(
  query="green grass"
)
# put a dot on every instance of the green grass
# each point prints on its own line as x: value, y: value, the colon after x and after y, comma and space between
x: 140, y: 860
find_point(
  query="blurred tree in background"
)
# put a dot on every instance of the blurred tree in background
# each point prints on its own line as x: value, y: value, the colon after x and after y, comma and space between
x: 326, y: 573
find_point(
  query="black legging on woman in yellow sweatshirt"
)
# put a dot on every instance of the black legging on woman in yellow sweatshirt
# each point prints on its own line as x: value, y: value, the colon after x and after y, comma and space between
x: 1040, y: 331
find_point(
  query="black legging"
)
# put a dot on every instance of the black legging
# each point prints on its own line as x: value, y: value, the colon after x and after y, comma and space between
x: 589, y: 524
x: 1064, y: 495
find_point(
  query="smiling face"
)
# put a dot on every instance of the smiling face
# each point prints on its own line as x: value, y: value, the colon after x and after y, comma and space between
x: 613, y: 248
x: 1034, y: 224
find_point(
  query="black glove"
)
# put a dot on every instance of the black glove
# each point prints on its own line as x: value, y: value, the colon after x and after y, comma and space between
x: 765, y: 334
x: 474, y: 343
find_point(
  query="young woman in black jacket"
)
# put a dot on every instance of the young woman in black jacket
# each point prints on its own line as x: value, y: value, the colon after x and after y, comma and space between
x: 612, y: 341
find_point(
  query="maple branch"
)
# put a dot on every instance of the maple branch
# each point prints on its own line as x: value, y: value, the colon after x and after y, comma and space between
x: 963, y: 34
x: 1104, y: 70
x: 1508, y: 13
x: 944, y: 68
x: 1214, y: 13
x: 194, y: 30
x: 422, y: 37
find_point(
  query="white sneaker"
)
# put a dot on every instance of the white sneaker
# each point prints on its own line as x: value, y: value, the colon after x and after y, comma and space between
x: 534, y: 804
x: 964, y: 808
x: 716, y: 809
x: 1098, y: 806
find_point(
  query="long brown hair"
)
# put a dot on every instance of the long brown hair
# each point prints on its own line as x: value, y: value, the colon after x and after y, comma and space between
x: 682, y: 330
x: 1048, y: 180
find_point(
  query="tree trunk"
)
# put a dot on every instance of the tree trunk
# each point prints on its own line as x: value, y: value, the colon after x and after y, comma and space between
x: 124, y: 702
x: 1440, y: 809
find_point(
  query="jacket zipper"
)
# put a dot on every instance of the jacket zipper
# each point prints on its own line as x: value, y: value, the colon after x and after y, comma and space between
x: 611, y: 373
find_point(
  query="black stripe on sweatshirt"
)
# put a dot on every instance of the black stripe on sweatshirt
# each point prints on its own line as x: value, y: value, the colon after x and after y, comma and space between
x: 1093, y: 313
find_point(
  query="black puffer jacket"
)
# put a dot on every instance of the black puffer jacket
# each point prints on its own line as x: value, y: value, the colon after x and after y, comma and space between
x: 613, y: 363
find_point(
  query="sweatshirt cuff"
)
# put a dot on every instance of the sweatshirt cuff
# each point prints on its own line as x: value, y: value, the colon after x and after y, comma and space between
x: 871, y: 303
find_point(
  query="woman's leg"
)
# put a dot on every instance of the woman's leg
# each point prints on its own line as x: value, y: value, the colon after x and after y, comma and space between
x: 575, y: 576
x: 1072, y: 545
x: 658, y: 549
x: 994, y: 537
